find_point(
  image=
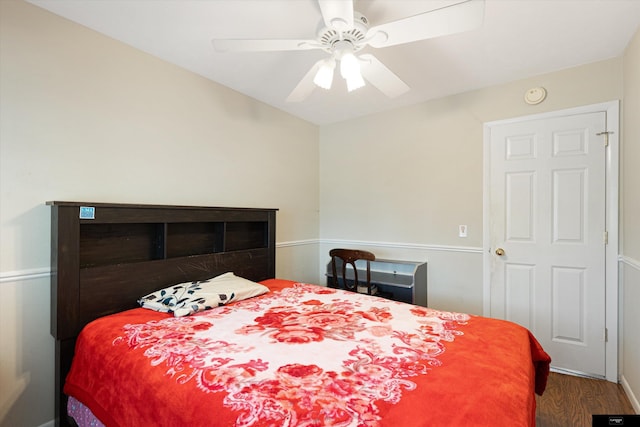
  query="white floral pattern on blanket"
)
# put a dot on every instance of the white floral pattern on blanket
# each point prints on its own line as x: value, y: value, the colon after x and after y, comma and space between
x: 331, y: 354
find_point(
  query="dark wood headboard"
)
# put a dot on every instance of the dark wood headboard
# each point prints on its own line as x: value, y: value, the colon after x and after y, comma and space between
x: 105, y: 256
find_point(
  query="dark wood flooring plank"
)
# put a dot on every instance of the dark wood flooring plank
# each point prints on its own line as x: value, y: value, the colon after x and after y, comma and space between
x: 571, y: 401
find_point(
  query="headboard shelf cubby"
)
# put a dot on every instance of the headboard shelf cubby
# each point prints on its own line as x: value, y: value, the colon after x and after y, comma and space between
x: 104, y: 256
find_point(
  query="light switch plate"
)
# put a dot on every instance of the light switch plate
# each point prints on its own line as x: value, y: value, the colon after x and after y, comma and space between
x: 462, y: 231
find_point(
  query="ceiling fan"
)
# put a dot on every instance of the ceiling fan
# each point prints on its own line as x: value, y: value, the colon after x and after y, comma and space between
x: 346, y: 32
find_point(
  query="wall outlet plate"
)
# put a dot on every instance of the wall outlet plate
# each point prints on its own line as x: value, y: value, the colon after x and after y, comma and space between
x: 462, y: 231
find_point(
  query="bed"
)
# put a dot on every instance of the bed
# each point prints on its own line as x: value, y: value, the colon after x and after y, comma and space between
x: 293, y: 354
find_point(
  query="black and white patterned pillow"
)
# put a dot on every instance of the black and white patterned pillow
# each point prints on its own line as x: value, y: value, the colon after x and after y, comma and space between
x: 187, y: 298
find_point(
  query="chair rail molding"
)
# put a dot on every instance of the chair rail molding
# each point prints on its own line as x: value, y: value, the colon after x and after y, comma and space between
x: 27, y: 274
x: 401, y: 245
x: 629, y: 261
x: 290, y: 243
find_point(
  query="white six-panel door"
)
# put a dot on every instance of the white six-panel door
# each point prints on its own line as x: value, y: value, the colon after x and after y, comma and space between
x: 547, y: 231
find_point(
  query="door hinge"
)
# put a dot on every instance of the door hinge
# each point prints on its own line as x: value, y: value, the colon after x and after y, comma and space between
x: 606, y: 137
x: 606, y: 237
x: 606, y: 335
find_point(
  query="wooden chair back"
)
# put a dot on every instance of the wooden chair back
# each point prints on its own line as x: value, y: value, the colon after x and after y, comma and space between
x: 349, y: 257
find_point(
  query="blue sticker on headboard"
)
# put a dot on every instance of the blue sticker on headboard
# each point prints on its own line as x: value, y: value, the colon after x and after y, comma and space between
x: 87, y: 212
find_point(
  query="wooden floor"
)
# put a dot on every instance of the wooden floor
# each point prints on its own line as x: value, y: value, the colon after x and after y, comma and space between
x: 570, y: 401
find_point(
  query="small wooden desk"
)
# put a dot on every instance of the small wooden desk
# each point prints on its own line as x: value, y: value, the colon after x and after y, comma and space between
x: 404, y: 281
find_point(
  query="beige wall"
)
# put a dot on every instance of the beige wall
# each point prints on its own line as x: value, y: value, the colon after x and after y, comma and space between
x: 631, y: 150
x: 418, y: 175
x: 83, y: 117
x: 630, y: 223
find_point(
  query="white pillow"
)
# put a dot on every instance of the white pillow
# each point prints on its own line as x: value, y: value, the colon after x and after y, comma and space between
x: 187, y: 298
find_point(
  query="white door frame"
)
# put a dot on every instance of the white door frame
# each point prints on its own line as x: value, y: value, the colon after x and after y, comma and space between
x: 612, y: 110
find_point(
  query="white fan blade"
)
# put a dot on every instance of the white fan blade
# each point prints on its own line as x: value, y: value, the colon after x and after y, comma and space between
x: 239, y: 45
x: 376, y: 73
x: 337, y: 14
x: 306, y: 85
x: 452, y: 19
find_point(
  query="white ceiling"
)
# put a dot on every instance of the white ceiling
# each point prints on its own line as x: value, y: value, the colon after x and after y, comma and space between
x: 518, y: 39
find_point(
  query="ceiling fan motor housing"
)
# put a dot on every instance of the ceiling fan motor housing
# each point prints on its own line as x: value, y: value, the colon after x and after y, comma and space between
x: 355, y: 35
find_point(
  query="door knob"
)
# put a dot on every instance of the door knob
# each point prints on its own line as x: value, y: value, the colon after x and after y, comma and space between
x: 499, y: 251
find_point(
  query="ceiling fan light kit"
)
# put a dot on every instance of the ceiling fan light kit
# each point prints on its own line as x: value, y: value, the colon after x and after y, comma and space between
x: 349, y: 68
x: 355, y: 82
x: 346, y: 32
x: 349, y: 65
x: 324, y: 76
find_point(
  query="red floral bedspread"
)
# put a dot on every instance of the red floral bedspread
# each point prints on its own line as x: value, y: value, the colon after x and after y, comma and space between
x: 306, y: 355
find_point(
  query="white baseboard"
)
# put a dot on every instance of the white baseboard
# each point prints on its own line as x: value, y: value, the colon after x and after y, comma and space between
x: 632, y: 398
x: 51, y: 423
